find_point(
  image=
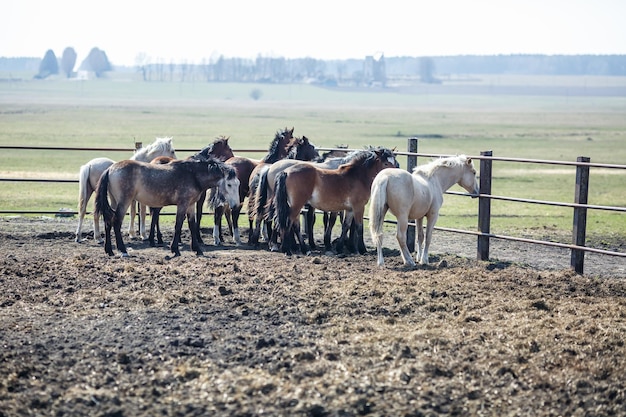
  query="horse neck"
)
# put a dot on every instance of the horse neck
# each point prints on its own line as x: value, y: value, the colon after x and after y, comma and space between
x: 447, y: 176
x: 207, y: 175
x: 275, y: 156
x: 220, y: 151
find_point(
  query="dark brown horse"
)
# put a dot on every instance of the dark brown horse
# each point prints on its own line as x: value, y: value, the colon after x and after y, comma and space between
x: 218, y: 149
x: 244, y: 167
x: 300, y: 150
x: 345, y: 188
x: 179, y: 183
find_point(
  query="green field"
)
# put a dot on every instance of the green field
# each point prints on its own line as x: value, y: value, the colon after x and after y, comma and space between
x: 117, y: 112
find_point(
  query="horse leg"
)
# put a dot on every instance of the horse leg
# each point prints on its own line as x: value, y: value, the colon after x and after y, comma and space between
x: 142, y: 222
x: 353, y: 239
x: 108, y: 249
x: 199, y: 205
x: 345, y: 226
x: 310, y: 222
x: 195, y: 232
x: 229, y: 219
x: 420, y: 239
x: 96, y: 228
x: 330, y: 217
x: 217, y: 225
x: 273, y: 238
x: 117, y: 228
x: 296, y: 230
x: 402, y: 225
x: 180, y: 217
x: 131, y: 225
x: 82, y: 210
x: 234, y: 224
x: 430, y: 225
x: 158, y: 227
x: 154, y: 225
x: 358, y: 231
x: 361, y: 242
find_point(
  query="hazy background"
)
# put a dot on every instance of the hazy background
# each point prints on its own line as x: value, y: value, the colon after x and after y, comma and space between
x: 191, y: 31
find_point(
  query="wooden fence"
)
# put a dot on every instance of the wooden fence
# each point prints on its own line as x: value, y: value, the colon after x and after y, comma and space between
x: 483, y: 232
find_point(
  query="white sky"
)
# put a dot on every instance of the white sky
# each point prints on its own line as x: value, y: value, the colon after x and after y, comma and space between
x: 322, y: 29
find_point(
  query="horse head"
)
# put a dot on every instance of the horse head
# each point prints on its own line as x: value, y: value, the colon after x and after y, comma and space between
x: 160, y: 147
x: 228, y: 187
x: 468, y: 180
x: 219, y: 149
x: 303, y: 150
x: 387, y: 157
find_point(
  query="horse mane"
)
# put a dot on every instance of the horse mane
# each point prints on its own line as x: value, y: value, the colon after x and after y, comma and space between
x: 364, y: 157
x: 335, y: 153
x: 159, y: 143
x: 276, y: 149
x: 431, y: 167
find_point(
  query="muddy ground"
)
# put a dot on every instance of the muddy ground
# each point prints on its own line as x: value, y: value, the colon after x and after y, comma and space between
x: 248, y: 332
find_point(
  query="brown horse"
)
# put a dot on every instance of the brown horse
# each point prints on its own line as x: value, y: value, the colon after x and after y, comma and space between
x: 265, y: 193
x: 300, y: 150
x: 179, y: 183
x: 92, y: 170
x: 244, y: 167
x: 345, y: 188
x: 218, y: 149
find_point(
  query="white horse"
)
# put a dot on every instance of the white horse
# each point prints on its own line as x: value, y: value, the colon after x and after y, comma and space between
x: 415, y: 196
x: 90, y: 173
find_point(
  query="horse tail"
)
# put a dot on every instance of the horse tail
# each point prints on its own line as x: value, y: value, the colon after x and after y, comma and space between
x: 260, y: 200
x: 103, y: 207
x: 378, y: 208
x: 281, y: 202
x: 83, y: 182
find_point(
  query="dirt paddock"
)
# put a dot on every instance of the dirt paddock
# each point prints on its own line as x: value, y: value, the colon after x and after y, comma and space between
x: 246, y: 332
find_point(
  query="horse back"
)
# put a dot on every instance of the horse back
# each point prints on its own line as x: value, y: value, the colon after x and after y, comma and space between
x: 152, y: 184
x: 408, y: 193
x: 93, y: 169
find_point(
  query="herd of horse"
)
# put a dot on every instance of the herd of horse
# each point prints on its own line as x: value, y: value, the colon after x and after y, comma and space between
x: 290, y: 180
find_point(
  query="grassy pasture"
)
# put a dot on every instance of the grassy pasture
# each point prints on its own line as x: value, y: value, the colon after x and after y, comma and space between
x: 117, y: 112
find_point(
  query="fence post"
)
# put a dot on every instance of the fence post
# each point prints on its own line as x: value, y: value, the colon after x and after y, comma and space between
x: 484, y: 206
x: 580, y: 214
x: 138, y: 145
x: 411, y: 162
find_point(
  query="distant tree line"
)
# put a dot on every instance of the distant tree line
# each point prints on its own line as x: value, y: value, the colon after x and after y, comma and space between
x: 517, y: 64
x: 367, y: 71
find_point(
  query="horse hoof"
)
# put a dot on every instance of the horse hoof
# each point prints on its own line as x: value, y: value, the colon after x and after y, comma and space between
x: 125, y: 255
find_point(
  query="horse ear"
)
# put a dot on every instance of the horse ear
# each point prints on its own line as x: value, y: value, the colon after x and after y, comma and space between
x: 469, y: 161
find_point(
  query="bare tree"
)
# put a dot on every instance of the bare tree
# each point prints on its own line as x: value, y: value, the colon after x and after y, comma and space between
x: 141, y: 62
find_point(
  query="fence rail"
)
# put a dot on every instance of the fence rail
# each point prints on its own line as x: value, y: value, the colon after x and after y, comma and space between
x: 486, y: 158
